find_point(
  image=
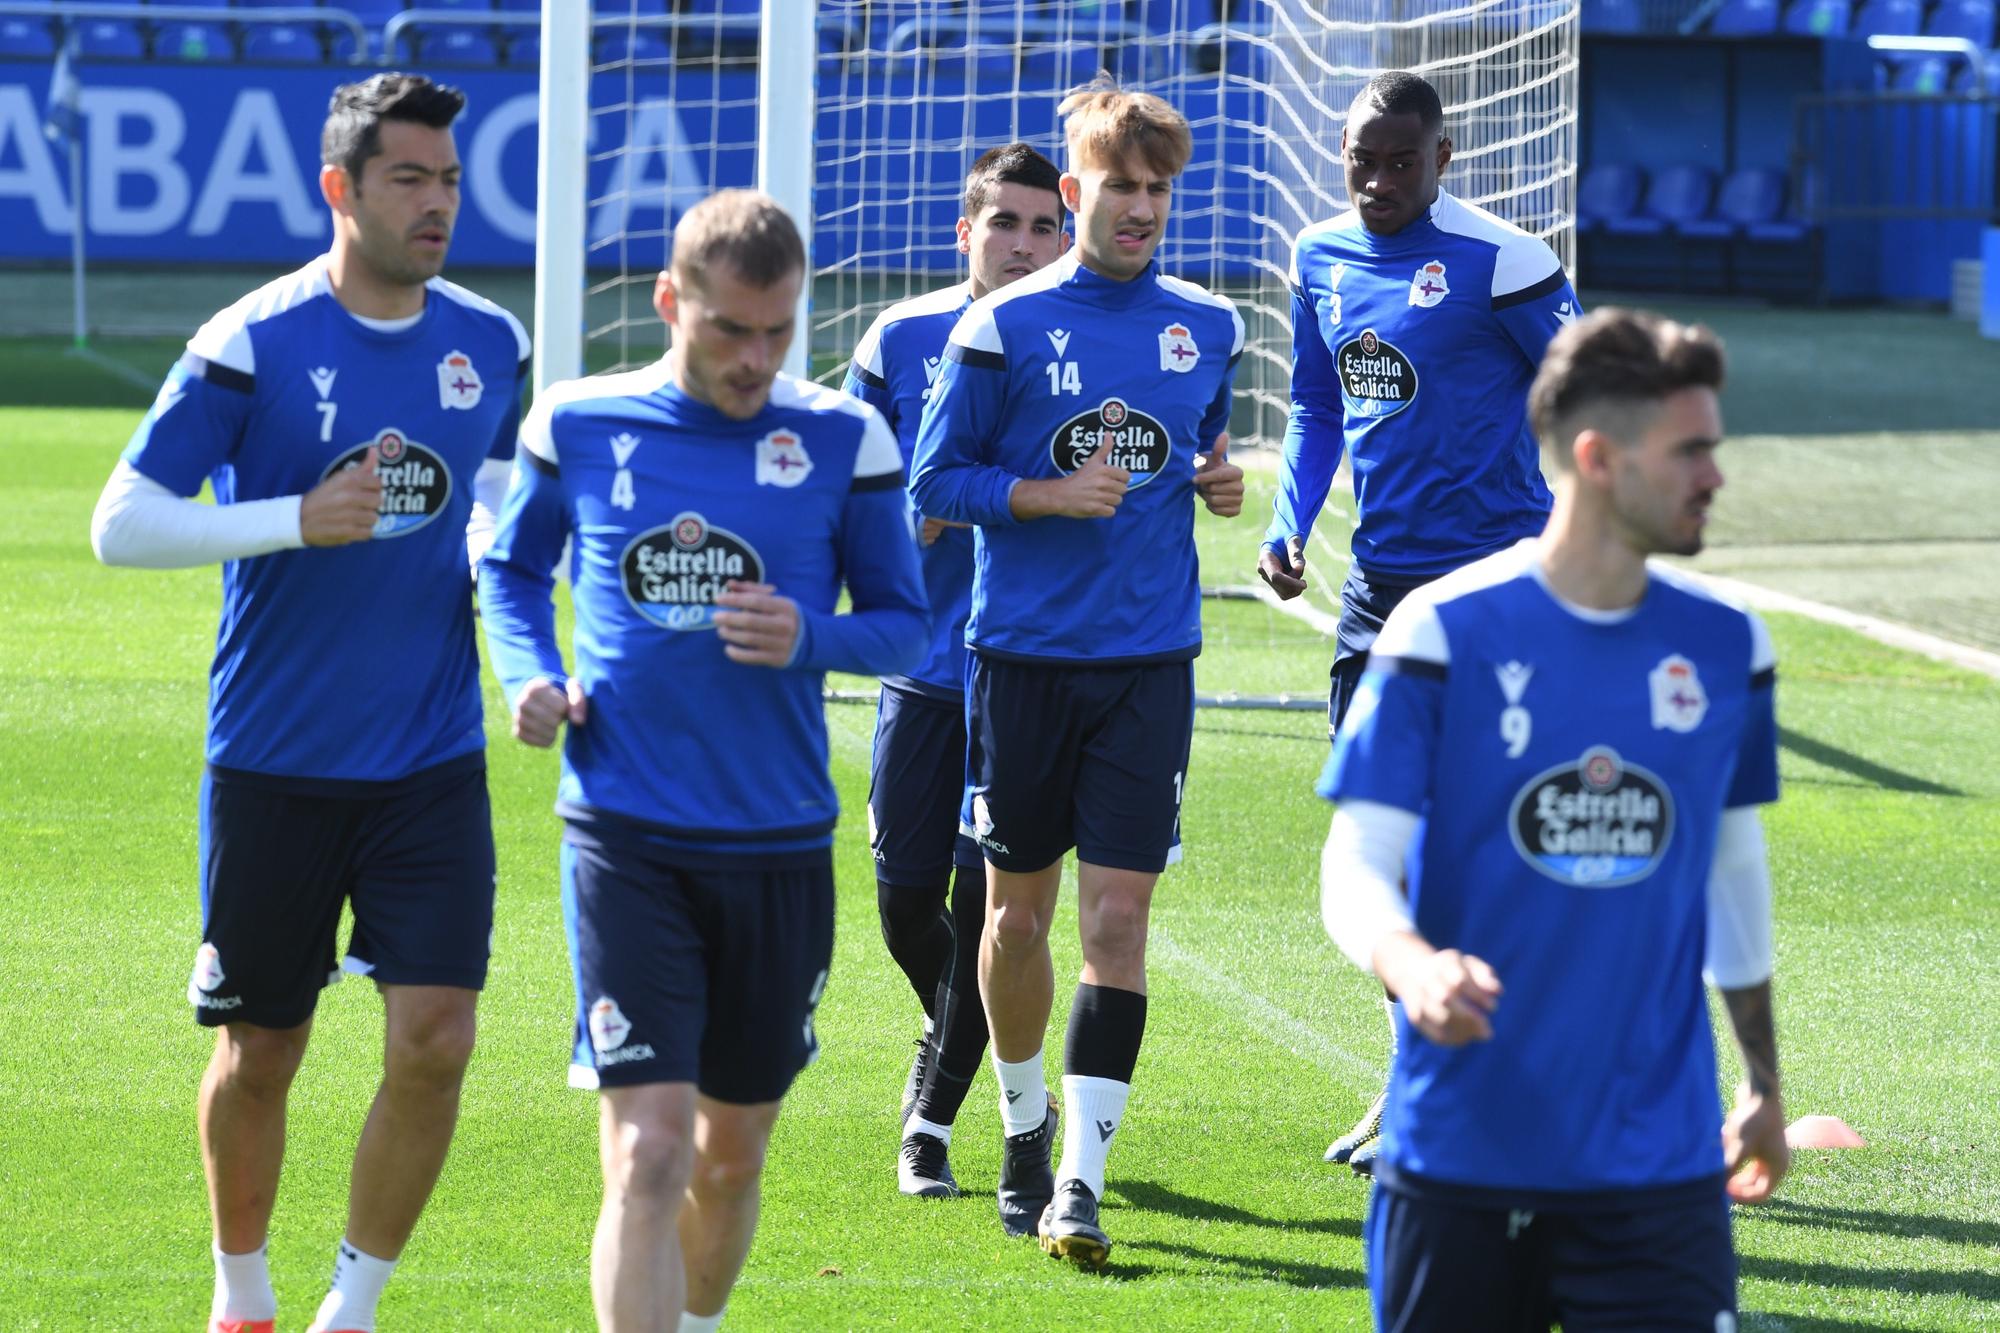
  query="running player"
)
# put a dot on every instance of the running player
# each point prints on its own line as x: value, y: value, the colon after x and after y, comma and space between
x: 717, y: 508
x: 1417, y: 323
x: 354, y: 420
x: 1010, y: 225
x: 1561, y: 750
x: 1080, y: 462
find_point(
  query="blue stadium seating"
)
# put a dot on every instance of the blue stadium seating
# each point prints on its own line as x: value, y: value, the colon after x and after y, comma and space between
x: 1794, y: 223
x: 626, y: 43
x: 193, y: 42
x: 1888, y: 18
x: 1922, y: 74
x: 1609, y: 191
x: 1060, y: 67
x: 1745, y: 18
x: 1818, y: 18
x: 112, y: 39
x: 1970, y: 19
x: 524, y: 47
x: 27, y: 38
x: 1677, y: 194
x: 282, y: 44
x: 454, y: 45
x: 1749, y: 196
x: 1613, y: 16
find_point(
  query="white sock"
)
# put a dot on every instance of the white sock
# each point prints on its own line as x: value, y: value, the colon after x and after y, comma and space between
x: 243, y: 1286
x: 1389, y: 1008
x: 358, y: 1280
x: 1024, y: 1096
x: 701, y: 1323
x: 1093, y: 1107
x: 918, y: 1125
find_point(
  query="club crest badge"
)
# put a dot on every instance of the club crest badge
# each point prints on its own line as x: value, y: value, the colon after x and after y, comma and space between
x: 1177, y: 349
x: 782, y: 459
x: 458, y: 382
x: 208, y: 972
x: 1428, y: 287
x: 1679, y: 702
x: 608, y: 1024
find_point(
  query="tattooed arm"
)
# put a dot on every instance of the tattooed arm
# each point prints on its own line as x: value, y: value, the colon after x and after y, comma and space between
x: 1753, y: 1137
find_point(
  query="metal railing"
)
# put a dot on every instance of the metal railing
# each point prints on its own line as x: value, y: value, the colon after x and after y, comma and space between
x: 155, y: 14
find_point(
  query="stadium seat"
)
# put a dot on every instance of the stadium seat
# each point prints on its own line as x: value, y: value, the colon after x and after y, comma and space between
x: 451, y: 44
x: 524, y: 47
x: 626, y: 43
x: 26, y: 38
x: 193, y: 42
x: 1818, y: 18
x: 1970, y: 19
x: 109, y: 39
x: 1173, y: 16
x: 1750, y: 195
x: 1921, y: 74
x: 282, y: 44
x: 1055, y: 69
x: 1888, y: 18
x: 1613, y: 16
x: 1607, y: 192
x: 1745, y: 18
x: 1676, y: 195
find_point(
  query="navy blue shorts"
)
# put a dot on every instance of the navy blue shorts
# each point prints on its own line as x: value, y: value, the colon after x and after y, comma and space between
x: 1434, y: 1264
x: 916, y: 786
x: 1364, y: 604
x: 703, y: 969
x: 279, y: 858
x: 1093, y: 758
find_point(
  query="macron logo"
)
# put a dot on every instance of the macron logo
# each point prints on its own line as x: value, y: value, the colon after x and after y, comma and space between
x: 622, y: 447
x: 322, y: 379
x: 1060, y: 339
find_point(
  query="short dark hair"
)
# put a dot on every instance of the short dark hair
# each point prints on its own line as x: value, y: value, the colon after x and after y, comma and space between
x: 747, y: 230
x: 1609, y: 370
x: 1398, y: 92
x: 353, y: 130
x: 1009, y: 164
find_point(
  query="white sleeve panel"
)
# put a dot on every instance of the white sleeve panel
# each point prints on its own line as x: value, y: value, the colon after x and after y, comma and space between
x: 977, y: 329
x: 1763, y: 654
x: 225, y: 340
x: 868, y: 352
x: 537, y: 434
x: 1361, y: 874
x: 1413, y: 630
x: 489, y: 488
x: 879, y: 453
x: 1236, y: 318
x: 1521, y: 262
x: 140, y: 523
x: 1739, y: 904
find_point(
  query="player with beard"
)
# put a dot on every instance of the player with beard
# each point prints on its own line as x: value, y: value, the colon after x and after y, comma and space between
x: 1010, y: 225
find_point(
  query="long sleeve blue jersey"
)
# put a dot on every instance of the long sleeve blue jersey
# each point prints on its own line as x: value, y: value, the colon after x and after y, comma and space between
x: 668, y: 501
x: 1414, y: 353
x: 1571, y: 769
x: 895, y: 364
x: 1035, y: 377
x: 350, y: 663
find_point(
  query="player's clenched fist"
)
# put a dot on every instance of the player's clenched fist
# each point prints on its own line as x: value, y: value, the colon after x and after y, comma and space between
x: 756, y: 625
x: 1285, y: 573
x: 1447, y: 995
x: 344, y: 507
x: 541, y: 708
x: 1219, y: 480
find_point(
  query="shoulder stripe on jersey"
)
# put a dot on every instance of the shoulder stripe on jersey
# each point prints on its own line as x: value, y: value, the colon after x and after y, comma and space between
x: 973, y: 356
x: 1765, y: 679
x: 524, y: 370
x: 221, y: 376
x: 867, y: 376
x: 540, y: 464
x: 1421, y: 668
x: 881, y: 481
x: 1553, y: 283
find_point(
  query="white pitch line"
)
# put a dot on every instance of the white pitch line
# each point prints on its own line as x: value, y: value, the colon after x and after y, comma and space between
x: 1281, y: 1026
x: 1882, y: 631
x: 114, y: 367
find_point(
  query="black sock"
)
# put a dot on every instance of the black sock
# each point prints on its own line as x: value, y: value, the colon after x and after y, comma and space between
x: 1106, y: 1026
x: 918, y: 933
x: 960, y: 1038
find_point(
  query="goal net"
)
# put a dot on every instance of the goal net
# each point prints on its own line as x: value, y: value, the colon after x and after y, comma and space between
x: 906, y: 94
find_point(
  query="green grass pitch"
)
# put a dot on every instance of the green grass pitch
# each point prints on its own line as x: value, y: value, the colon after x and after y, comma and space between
x: 1262, y: 1042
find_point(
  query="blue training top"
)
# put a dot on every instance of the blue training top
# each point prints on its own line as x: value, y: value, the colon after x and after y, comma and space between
x: 1571, y: 769
x: 1414, y: 353
x: 355, y: 662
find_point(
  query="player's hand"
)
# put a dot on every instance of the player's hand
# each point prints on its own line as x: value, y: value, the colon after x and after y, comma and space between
x: 344, y: 507
x: 1754, y: 1146
x: 933, y: 528
x: 1447, y: 995
x: 540, y: 709
x: 1285, y: 573
x: 1219, y: 480
x: 1096, y: 489
x: 757, y: 626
